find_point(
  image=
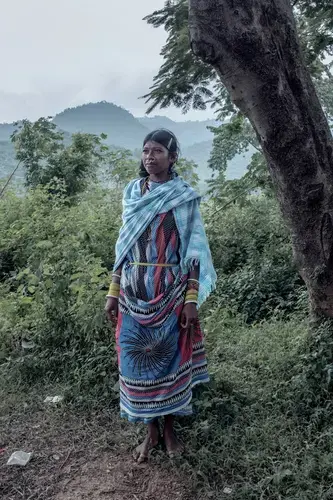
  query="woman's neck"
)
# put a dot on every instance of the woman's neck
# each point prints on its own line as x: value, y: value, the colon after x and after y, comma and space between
x: 164, y: 177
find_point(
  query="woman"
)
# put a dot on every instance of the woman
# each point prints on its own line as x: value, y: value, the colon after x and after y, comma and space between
x: 163, y: 273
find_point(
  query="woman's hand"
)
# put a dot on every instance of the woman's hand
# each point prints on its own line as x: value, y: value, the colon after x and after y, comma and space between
x: 111, y: 309
x: 189, y: 316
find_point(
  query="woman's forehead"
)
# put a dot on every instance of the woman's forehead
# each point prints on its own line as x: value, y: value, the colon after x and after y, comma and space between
x: 154, y: 144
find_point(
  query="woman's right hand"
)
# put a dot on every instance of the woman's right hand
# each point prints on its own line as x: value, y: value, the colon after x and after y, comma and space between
x: 111, y: 309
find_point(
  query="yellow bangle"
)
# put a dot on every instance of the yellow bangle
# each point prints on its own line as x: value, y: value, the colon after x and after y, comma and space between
x: 114, y: 290
x: 191, y: 296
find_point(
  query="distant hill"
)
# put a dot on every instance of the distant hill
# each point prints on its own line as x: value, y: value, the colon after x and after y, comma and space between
x: 6, y: 130
x: 200, y: 153
x: 154, y: 122
x: 126, y: 131
x: 237, y: 166
x: 188, y: 132
x: 8, y: 161
x: 120, y: 126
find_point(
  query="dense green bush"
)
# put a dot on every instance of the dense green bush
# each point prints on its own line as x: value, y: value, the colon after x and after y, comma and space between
x: 56, y: 258
x: 252, y: 253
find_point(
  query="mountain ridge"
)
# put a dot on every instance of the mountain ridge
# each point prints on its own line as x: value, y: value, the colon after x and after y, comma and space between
x: 124, y: 130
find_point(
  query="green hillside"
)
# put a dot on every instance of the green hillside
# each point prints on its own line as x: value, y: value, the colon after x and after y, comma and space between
x: 120, y: 126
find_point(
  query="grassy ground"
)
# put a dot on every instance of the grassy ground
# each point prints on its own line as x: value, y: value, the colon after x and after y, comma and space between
x: 247, y: 440
x: 249, y: 434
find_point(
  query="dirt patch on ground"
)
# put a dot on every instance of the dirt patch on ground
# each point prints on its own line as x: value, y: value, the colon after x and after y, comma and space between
x: 79, y: 456
x: 116, y: 477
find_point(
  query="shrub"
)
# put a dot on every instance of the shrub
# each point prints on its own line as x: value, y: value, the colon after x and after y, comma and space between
x: 252, y: 253
x: 54, y: 293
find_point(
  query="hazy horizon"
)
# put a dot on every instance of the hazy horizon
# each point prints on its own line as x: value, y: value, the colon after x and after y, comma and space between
x: 62, y: 55
x: 188, y: 117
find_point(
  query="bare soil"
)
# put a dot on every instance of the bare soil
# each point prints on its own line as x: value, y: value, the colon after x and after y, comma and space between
x: 77, y: 455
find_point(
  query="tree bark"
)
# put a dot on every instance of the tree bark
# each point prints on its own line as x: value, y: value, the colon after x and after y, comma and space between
x: 254, y: 47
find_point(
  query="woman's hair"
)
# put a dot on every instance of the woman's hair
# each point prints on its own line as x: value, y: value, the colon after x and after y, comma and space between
x: 166, y: 139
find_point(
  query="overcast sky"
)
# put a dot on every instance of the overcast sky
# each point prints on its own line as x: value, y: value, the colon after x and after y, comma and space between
x: 61, y: 53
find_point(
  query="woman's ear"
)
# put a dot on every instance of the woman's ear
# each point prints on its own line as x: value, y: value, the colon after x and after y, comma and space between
x: 173, y: 158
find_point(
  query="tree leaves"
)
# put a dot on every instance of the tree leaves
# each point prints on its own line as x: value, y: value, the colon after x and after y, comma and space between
x: 47, y: 154
x: 183, y: 80
x: 186, y: 82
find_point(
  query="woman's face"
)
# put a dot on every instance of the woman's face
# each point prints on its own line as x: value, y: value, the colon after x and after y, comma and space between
x: 156, y: 158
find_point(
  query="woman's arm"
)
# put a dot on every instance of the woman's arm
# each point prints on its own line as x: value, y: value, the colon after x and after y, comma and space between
x: 192, y: 291
x: 116, y: 276
x: 194, y: 273
x: 111, y: 307
x: 190, y: 313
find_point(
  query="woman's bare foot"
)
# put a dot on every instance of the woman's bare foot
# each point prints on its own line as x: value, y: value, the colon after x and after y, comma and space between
x: 141, y: 452
x: 173, y: 446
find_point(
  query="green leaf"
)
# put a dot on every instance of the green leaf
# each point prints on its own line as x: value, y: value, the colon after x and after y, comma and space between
x: 26, y: 300
x: 48, y: 284
x: 45, y: 244
x: 76, y: 276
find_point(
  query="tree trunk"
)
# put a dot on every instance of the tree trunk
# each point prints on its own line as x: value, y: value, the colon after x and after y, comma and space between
x: 254, y: 47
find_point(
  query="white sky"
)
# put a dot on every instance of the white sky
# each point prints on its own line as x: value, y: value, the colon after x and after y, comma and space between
x: 61, y: 53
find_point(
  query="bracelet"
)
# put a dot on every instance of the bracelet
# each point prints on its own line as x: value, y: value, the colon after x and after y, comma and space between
x: 191, y: 299
x: 192, y: 279
x: 191, y: 296
x: 116, y: 275
x: 114, y: 290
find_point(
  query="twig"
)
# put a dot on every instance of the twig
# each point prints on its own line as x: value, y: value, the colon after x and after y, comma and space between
x: 9, y: 179
x: 18, y: 491
x: 232, y: 201
x: 66, y: 459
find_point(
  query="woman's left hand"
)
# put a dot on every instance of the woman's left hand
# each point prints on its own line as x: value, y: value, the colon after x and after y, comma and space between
x: 189, y: 316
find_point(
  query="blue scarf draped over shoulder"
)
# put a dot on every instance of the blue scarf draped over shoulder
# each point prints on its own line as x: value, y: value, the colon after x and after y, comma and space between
x: 178, y: 196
